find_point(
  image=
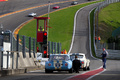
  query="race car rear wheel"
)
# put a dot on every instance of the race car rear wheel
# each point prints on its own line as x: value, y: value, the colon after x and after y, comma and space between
x: 71, y: 70
x: 88, y: 68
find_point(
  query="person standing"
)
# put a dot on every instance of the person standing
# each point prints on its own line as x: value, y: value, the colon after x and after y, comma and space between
x: 99, y: 39
x: 76, y: 64
x: 95, y: 39
x: 104, y: 55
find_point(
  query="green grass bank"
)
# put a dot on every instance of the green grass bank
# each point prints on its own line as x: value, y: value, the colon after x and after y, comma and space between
x: 109, y: 20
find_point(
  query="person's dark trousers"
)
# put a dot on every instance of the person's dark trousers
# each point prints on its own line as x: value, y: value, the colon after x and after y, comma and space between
x: 76, y: 70
x: 104, y: 62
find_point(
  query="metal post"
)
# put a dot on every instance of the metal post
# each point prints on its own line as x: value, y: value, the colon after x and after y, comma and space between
x: 48, y: 10
x: 17, y: 44
x: 52, y: 47
x: 7, y: 58
x: 40, y: 47
x: 1, y: 60
x: 49, y: 47
x: 48, y: 16
x: 12, y: 60
x: 29, y: 46
x: 58, y: 48
x: 34, y: 47
x: 23, y: 47
x: 17, y: 49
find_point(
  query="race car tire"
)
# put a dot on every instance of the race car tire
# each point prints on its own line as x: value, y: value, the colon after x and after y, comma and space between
x: 88, y: 68
x: 71, y: 70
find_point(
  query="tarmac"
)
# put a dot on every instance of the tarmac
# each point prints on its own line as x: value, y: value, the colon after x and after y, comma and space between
x: 6, y: 72
x: 24, y: 65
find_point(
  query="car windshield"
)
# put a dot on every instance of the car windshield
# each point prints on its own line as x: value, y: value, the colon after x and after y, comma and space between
x: 59, y: 57
x: 72, y: 57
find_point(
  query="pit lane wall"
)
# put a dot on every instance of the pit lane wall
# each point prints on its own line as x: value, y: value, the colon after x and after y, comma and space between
x: 24, y: 64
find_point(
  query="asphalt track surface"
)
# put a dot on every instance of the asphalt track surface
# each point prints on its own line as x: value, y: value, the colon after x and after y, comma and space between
x: 81, y: 44
x: 13, y: 21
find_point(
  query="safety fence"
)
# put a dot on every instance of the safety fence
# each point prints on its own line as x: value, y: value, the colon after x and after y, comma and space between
x: 112, y: 48
x: 27, y: 44
x: 23, y: 52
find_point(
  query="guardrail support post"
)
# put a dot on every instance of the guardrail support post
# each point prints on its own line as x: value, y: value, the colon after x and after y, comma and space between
x: 7, y: 58
x: 12, y: 60
x: 49, y: 46
x: 58, y: 46
x: 23, y: 47
x: 34, y: 47
x: 1, y: 60
x: 29, y: 46
x: 52, y: 47
x: 17, y: 49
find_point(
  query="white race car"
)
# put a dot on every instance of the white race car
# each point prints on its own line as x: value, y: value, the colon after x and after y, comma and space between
x: 85, y: 62
x: 32, y: 14
x: 74, y: 3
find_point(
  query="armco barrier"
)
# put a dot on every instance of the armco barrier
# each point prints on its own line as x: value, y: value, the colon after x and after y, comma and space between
x: 24, y: 65
x: 19, y: 71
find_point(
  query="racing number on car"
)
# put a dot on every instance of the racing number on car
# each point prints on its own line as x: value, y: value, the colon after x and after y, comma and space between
x: 57, y: 64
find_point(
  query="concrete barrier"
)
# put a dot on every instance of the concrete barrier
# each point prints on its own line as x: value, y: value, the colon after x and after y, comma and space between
x: 19, y: 71
x: 24, y: 65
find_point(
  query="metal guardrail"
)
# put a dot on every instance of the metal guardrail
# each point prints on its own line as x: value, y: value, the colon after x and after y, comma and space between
x: 8, y: 55
x: 26, y: 47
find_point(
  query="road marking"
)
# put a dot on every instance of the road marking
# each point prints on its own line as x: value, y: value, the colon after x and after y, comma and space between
x: 87, y: 75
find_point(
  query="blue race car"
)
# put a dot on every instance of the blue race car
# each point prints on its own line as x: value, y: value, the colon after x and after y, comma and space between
x: 58, y: 62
